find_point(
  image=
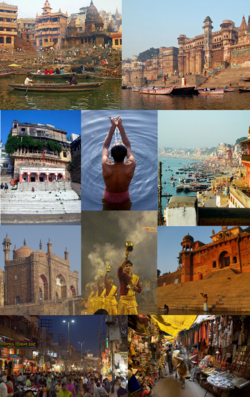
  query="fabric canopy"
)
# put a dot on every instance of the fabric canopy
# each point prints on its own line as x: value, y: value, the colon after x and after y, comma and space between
x: 172, y: 325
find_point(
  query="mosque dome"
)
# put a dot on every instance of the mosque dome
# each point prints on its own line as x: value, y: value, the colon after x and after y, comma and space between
x: 188, y: 239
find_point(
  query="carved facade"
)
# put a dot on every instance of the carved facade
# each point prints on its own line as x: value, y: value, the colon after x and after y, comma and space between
x: 229, y: 248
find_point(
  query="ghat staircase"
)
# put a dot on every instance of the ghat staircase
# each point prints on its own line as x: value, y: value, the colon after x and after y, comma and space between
x: 227, y: 290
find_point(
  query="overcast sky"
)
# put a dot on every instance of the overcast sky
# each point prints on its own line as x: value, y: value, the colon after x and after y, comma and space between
x: 159, y: 23
x: 60, y: 236
x: 169, y: 243
x: 29, y: 9
x: 201, y: 128
x: 83, y: 329
x: 104, y: 235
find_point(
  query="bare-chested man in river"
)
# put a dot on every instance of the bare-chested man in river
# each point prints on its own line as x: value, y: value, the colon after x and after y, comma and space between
x: 117, y: 175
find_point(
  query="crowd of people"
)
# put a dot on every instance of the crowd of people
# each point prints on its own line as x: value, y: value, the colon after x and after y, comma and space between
x: 54, y: 384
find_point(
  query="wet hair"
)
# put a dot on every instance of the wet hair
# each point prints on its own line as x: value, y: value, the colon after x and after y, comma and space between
x: 119, y: 152
x: 128, y: 262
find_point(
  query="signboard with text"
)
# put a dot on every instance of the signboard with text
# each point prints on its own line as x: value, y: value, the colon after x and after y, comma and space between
x: 27, y: 344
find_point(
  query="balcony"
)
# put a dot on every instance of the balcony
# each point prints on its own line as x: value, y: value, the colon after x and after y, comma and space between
x: 6, y: 33
x: 49, y: 32
x: 47, y: 25
x: 5, y: 24
x: 245, y: 157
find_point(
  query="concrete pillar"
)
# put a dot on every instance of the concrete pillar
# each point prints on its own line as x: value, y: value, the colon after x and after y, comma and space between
x: 20, y: 177
x: 47, y: 177
x: 28, y: 176
x: 56, y: 176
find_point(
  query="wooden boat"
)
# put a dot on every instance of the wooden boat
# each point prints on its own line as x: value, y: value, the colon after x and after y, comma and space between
x: 156, y: 91
x: 183, y: 90
x: 229, y: 89
x: 57, y: 87
x: 211, y: 92
x: 57, y: 76
x: 6, y: 74
x: 244, y: 89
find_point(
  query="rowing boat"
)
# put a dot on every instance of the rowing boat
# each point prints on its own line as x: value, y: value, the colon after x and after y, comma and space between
x: 6, y: 74
x: 156, y: 91
x: 229, y: 89
x: 58, y: 76
x: 183, y: 90
x: 244, y: 89
x: 213, y: 92
x: 57, y: 87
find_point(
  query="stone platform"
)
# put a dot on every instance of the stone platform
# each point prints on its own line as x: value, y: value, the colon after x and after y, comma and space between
x: 227, y: 290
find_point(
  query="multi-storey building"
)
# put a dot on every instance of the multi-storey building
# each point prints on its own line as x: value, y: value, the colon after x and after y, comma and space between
x: 45, y: 158
x: 8, y: 25
x: 50, y: 28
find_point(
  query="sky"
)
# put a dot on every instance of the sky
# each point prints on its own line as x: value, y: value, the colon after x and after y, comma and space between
x: 83, y: 329
x: 61, y: 237
x: 189, y: 129
x: 69, y: 121
x: 29, y: 9
x: 148, y: 23
x: 104, y: 235
x: 169, y: 243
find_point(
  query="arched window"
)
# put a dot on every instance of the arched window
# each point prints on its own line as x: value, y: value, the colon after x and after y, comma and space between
x: 234, y: 259
x: 214, y: 264
x: 18, y: 301
x: 40, y: 294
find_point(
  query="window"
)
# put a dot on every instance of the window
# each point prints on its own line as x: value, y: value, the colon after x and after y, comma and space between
x: 18, y: 301
x: 214, y: 264
x: 8, y: 40
x: 116, y: 41
x: 1, y: 40
x: 16, y: 277
x: 64, y: 154
x: 234, y: 259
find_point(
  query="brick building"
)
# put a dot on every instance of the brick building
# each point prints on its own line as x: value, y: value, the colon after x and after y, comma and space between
x: 229, y: 248
x: 33, y: 164
x: 26, y: 29
x: 8, y: 25
x: 36, y: 276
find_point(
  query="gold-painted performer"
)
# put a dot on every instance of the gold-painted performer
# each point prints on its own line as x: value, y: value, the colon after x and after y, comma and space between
x: 101, y: 293
x: 110, y: 293
x: 129, y: 285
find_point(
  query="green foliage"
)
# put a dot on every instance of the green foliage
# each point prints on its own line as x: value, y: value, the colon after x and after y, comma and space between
x: 54, y: 146
x: 12, y: 144
x: 240, y: 139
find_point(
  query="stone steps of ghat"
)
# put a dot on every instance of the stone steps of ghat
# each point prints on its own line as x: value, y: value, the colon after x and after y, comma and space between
x: 225, y: 290
x: 227, y: 76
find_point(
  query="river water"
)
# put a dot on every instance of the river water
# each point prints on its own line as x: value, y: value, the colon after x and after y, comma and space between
x: 141, y: 128
x: 108, y: 96
x: 228, y: 101
x: 175, y: 164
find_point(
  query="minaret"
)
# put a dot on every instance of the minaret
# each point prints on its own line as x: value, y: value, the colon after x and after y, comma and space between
x: 208, y: 42
x: 6, y: 248
x: 49, y: 245
x: 66, y: 254
x: 40, y: 245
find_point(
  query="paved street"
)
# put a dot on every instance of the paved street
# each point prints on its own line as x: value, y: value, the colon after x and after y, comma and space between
x: 171, y: 387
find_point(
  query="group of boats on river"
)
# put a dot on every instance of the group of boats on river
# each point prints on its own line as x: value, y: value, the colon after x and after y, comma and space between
x: 192, y: 90
x: 198, y: 179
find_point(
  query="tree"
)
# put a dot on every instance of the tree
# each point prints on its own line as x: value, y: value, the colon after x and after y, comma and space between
x: 54, y: 146
x: 12, y: 144
x: 158, y: 273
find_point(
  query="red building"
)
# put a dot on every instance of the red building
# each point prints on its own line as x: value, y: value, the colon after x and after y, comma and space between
x: 229, y: 248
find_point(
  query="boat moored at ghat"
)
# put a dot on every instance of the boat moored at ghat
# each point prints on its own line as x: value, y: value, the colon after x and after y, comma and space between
x: 211, y: 92
x: 57, y: 87
x: 156, y: 91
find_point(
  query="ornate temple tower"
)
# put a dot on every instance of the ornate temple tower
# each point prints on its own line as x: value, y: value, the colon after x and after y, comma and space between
x: 208, y: 42
x: 6, y: 248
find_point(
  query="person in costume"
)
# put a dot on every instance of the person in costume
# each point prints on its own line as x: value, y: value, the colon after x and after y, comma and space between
x: 101, y: 294
x: 129, y: 286
x: 110, y: 294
